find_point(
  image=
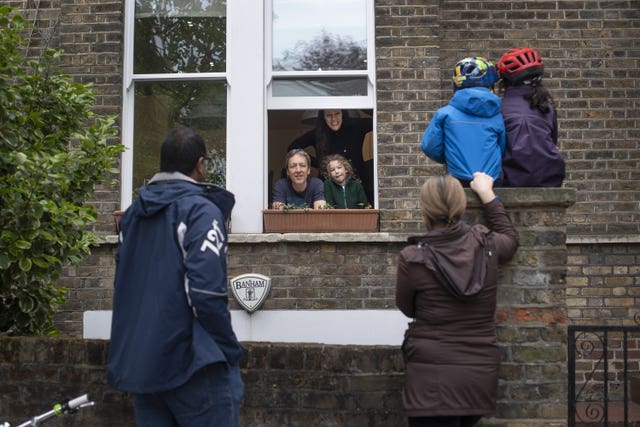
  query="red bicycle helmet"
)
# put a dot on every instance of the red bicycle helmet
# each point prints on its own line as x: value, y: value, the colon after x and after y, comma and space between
x: 520, y: 64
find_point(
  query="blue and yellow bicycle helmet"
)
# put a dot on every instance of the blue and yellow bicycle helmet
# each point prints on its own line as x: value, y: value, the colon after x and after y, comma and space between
x: 474, y: 71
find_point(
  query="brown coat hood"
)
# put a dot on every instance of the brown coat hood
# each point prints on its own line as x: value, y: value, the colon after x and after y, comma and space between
x: 457, y: 256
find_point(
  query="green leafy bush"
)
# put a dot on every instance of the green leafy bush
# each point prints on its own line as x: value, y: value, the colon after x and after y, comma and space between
x: 53, y: 151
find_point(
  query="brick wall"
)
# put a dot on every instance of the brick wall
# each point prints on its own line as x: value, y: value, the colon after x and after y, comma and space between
x: 321, y: 275
x: 592, y: 62
x: 285, y: 384
x: 90, y: 287
x: 408, y: 90
x: 291, y: 385
x: 603, y: 284
x: 38, y: 372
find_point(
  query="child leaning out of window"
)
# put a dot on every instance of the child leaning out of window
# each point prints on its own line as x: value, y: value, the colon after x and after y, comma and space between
x: 342, y: 189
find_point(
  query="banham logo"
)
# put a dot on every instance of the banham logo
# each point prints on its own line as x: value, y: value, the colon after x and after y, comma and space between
x: 250, y: 290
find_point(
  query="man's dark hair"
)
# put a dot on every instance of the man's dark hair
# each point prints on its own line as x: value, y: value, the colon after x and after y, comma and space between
x: 180, y: 151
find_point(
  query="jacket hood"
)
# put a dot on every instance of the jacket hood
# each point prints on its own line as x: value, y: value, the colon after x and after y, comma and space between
x: 166, y: 188
x: 458, y: 257
x: 476, y: 101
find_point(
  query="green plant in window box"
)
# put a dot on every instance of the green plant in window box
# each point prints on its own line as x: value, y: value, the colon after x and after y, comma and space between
x: 291, y: 207
x: 327, y: 206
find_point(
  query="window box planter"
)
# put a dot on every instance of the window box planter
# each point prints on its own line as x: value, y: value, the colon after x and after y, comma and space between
x: 320, y: 220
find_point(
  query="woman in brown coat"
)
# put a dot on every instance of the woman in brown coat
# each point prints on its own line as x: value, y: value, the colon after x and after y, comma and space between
x: 447, y: 282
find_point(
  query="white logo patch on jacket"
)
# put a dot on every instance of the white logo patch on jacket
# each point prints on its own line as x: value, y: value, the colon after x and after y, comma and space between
x: 214, y: 240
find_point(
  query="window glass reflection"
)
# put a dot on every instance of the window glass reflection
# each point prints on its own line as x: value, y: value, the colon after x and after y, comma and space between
x: 162, y: 106
x: 187, y: 36
x: 312, y: 35
x: 341, y: 86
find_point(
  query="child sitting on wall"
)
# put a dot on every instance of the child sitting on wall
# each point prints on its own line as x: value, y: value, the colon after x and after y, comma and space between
x: 532, y: 157
x: 468, y: 134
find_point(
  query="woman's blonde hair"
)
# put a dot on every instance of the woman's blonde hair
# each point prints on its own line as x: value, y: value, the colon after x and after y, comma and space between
x: 442, y: 200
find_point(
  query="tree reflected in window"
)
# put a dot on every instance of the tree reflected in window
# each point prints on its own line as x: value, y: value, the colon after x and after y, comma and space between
x: 313, y: 35
x: 326, y: 52
x: 180, y: 36
x: 162, y: 105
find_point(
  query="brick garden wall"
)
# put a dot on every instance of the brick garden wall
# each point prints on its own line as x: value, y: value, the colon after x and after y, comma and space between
x: 295, y: 384
x: 285, y: 384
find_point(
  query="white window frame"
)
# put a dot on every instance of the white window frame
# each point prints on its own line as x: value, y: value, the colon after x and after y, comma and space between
x: 325, y: 102
x: 321, y: 102
x: 248, y: 77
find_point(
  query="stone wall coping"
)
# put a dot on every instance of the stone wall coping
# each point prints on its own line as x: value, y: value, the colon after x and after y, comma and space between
x: 511, y: 197
x: 384, y: 238
x: 524, y: 197
x: 603, y: 239
x: 303, y: 237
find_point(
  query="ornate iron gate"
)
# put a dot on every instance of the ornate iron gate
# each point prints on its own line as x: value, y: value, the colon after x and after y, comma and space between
x: 599, y: 356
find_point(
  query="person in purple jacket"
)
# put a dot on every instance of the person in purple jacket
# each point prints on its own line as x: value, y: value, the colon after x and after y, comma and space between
x: 531, y: 158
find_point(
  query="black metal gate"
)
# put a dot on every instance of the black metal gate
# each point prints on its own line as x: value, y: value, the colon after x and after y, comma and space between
x: 599, y: 374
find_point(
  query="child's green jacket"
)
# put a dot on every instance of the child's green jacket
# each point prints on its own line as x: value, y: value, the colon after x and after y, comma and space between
x: 349, y: 196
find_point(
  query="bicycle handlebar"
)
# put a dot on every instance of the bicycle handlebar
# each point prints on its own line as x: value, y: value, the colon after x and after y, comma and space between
x: 78, y: 402
x: 67, y: 407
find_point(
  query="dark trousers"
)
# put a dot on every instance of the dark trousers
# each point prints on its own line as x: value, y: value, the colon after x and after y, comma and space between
x: 211, y: 398
x: 466, y: 421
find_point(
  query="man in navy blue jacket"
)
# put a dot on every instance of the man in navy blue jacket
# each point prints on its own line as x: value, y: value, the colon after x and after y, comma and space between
x: 172, y: 344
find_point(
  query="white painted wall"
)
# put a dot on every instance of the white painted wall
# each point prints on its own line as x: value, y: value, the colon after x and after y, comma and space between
x: 348, y: 327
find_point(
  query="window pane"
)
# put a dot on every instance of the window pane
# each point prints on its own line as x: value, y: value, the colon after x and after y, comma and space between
x: 162, y: 106
x: 173, y: 36
x: 311, y: 35
x: 337, y: 86
x: 288, y: 129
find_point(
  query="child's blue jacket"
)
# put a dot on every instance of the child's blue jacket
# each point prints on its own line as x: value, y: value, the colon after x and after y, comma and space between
x: 468, y: 134
x: 170, y: 306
